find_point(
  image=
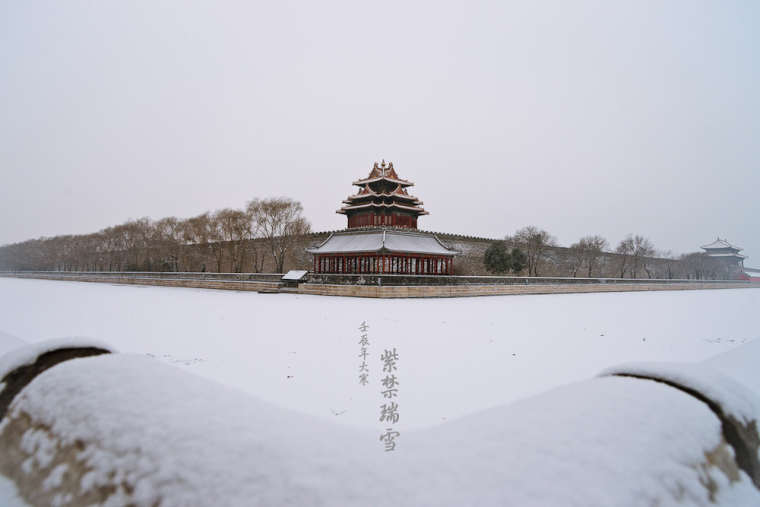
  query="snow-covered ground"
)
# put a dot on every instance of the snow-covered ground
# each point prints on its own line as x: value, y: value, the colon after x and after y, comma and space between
x: 456, y: 356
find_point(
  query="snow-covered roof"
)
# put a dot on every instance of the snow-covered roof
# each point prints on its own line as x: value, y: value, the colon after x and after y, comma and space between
x: 382, y: 240
x: 294, y: 274
x: 720, y: 243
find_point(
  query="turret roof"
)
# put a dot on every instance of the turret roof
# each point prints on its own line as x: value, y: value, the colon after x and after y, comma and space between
x: 383, y: 171
x: 721, y: 243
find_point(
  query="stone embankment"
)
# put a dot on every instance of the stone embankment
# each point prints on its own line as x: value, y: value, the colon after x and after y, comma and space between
x: 388, y: 286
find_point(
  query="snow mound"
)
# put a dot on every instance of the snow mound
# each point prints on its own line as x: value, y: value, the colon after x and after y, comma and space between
x: 734, y: 398
x: 139, y: 431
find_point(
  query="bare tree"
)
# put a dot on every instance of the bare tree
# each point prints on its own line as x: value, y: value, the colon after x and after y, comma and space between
x: 588, y: 250
x: 535, y: 243
x: 198, y: 231
x: 252, y: 247
x: 168, y: 240
x: 642, y: 249
x: 234, y: 228
x: 624, y: 251
x: 576, y: 254
x: 280, y: 221
x: 594, y: 248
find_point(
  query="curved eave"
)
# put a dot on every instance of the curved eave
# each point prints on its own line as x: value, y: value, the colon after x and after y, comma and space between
x: 735, y: 255
x: 708, y: 251
x: 419, y: 211
x: 384, y: 251
x: 375, y: 195
x: 403, y: 183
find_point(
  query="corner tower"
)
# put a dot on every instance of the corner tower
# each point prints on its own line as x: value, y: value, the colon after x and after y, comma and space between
x: 382, y: 200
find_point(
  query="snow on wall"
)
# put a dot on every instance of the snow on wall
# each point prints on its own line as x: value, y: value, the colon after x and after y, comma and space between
x: 149, y: 432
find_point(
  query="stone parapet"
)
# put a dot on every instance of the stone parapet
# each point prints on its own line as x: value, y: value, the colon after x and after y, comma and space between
x: 500, y: 290
x: 128, y: 279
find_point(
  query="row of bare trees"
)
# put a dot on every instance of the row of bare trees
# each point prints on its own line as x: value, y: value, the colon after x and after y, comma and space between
x: 634, y: 257
x: 228, y: 239
x: 538, y: 245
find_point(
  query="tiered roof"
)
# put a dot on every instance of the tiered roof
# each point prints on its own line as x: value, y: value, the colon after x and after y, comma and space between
x: 722, y: 248
x: 721, y: 244
x: 383, y: 189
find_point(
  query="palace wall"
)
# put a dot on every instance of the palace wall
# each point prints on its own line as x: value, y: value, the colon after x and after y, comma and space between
x: 255, y: 256
x: 470, y: 263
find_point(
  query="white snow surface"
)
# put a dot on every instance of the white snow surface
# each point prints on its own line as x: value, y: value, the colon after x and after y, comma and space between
x: 9, y: 342
x: 28, y: 354
x: 457, y: 355
x: 740, y: 363
x: 9, y: 494
x: 189, y: 441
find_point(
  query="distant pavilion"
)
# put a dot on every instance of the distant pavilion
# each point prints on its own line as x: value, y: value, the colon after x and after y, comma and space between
x: 382, y: 235
x: 726, y: 252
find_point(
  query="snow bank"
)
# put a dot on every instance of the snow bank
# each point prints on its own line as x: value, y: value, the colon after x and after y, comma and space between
x: 733, y: 397
x: 131, y: 429
x: 28, y: 354
x: 459, y: 356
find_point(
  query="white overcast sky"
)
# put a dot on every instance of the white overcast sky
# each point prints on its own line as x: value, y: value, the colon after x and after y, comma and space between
x: 581, y: 117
